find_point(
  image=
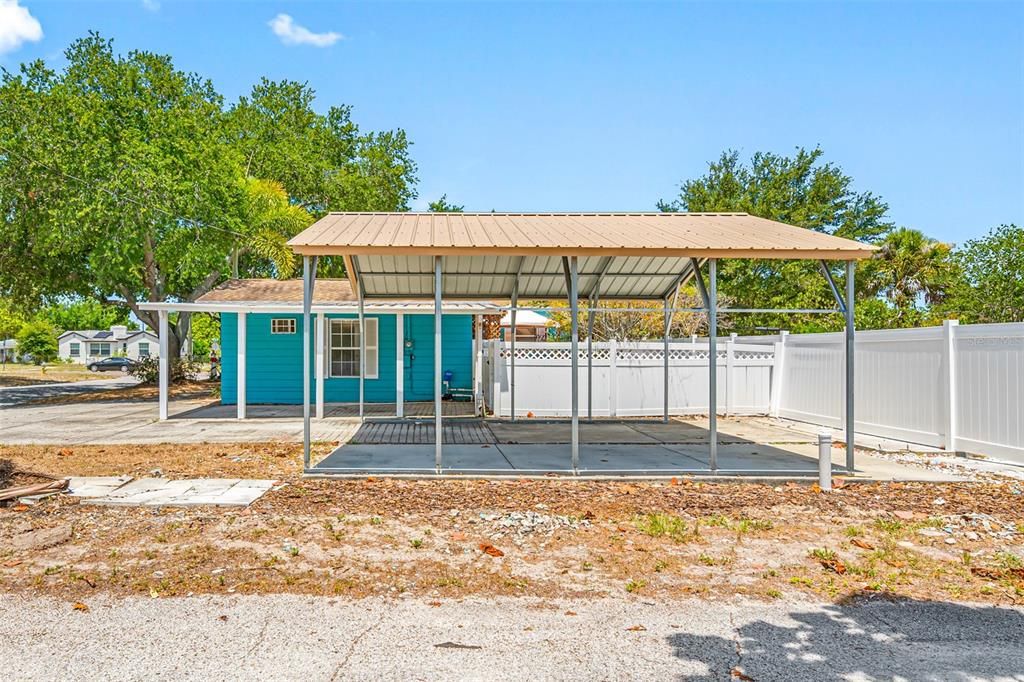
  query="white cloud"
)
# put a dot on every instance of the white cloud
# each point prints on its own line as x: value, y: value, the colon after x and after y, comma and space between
x: 290, y: 33
x: 151, y: 5
x: 17, y: 26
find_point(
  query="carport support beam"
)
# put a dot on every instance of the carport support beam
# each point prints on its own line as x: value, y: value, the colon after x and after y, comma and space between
x: 165, y: 363
x: 438, y: 368
x: 590, y: 356
x: 308, y: 279
x: 850, y: 377
x: 713, y: 362
x: 240, y: 381
x: 668, y: 323
x: 512, y: 350
x: 362, y: 354
x: 574, y: 306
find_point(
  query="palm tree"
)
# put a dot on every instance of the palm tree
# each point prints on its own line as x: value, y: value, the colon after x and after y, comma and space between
x: 270, y: 219
x: 911, y: 269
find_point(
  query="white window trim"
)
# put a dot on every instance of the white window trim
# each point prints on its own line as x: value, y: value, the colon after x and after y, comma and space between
x: 75, y: 349
x: 289, y: 326
x: 371, y: 372
x: 98, y: 347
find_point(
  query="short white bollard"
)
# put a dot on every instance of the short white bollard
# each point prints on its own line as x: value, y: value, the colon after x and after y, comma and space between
x: 825, y: 461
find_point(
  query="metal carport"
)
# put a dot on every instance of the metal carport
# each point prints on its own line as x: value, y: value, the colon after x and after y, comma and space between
x: 626, y: 256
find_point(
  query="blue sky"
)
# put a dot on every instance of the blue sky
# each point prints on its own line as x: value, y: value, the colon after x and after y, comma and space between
x: 537, y: 107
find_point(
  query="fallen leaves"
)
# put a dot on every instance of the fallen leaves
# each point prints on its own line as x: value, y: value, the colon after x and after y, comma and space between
x: 834, y: 565
x: 998, y: 573
x: 738, y: 674
x: 80, y: 606
x: 863, y: 544
x: 488, y: 548
x: 636, y: 628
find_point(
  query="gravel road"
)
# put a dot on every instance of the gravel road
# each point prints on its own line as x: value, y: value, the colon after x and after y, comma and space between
x: 291, y: 637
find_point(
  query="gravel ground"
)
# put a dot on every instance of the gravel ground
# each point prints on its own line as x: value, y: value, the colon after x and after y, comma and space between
x: 293, y: 637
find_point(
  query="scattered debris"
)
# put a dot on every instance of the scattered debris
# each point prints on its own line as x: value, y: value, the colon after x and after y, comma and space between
x: 80, y: 606
x: 738, y: 674
x: 488, y: 548
x: 529, y: 522
x: 33, y: 490
x: 455, y: 645
x: 636, y: 628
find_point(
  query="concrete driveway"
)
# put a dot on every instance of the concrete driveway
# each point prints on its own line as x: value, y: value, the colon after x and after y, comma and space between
x: 317, y: 638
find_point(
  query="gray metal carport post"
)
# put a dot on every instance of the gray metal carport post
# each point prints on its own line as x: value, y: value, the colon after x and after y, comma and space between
x: 850, y: 378
x: 308, y: 280
x: 573, y: 281
x: 713, y: 362
x: 438, y: 368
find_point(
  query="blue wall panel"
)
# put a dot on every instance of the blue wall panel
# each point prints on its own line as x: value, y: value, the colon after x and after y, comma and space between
x: 274, y: 362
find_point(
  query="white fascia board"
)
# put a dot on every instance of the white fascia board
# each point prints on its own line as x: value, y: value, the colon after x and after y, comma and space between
x: 467, y: 307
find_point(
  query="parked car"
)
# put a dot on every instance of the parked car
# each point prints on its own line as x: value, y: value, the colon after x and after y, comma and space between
x: 111, y: 365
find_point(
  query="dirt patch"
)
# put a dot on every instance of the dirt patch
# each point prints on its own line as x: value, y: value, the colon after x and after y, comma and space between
x: 448, y: 539
x: 188, y: 390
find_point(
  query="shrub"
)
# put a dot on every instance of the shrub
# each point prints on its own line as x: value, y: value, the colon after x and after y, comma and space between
x: 147, y: 370
x: 39, y: 340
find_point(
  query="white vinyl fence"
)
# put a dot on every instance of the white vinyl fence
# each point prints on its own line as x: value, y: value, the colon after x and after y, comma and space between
x: 960, y: 387
x: 628, y: 378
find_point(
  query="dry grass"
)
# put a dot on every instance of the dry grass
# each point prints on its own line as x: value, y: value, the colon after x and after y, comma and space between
x: 183, y: 390
x: 16, y: 374
x: 203, y: 460
x: 388, y: 537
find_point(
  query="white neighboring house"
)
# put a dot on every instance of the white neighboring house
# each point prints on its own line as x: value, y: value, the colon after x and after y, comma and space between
x: 85, y: 345
x: 8, y: 350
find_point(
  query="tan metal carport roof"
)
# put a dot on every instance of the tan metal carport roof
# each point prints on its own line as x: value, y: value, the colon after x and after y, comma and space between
x: 490, y: 255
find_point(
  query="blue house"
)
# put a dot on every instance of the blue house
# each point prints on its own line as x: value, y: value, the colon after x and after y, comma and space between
x: 261, y: 345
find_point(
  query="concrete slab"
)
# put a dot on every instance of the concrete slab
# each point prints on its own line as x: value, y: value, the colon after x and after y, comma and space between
x: 527, y: 432
x: 95, y: 486
x: 161, y: 492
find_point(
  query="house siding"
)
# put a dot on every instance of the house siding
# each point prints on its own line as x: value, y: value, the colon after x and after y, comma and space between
x: 274, y: 361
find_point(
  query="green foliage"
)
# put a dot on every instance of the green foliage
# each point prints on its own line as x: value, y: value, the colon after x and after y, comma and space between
x: 12, y: 319
x: 147, y: 370
x: 323, y: 161
x: 911, y: 272
x: 909, y: 278
x: 271, y: 220
x: 442, y: 206
x: 797, y: 190
x: 38, y: 339
x: 992, y: 287
x: 205, y: 332
x: 84, y: 313
x: 124, y: 179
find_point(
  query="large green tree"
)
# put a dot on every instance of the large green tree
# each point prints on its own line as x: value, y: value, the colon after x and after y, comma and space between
x: 116, y: 180
x: 124, y: 179
x: 85, y: 313
x: 800, y: 190
x: 991, y: 288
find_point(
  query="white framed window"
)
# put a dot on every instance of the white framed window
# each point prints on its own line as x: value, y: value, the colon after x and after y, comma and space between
x: 76, y: 350
x: 143, y: 349
x: 344, y: 345
x: 282, y: 325
x: 99, y: 349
